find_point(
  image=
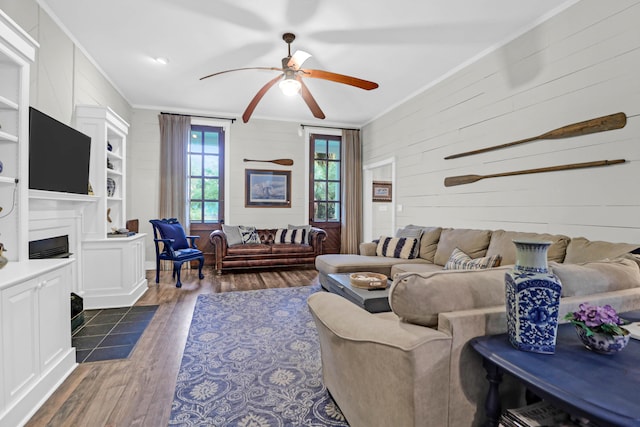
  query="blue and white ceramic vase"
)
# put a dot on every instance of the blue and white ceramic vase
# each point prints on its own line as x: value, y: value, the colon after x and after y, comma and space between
x: 533, y: 299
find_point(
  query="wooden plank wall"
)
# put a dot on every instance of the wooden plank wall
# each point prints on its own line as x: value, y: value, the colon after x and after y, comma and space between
x: 580, y: 64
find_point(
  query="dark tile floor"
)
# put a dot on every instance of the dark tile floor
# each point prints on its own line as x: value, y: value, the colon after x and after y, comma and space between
x: 110, y: 333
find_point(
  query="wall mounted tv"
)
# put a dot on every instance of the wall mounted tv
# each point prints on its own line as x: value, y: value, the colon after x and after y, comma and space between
x: 58, y: 155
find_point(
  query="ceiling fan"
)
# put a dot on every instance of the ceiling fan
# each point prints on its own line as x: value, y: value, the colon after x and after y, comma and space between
x: 291, y: 80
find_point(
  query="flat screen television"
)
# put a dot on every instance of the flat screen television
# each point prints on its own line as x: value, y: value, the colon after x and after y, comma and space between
x: 58, y: 155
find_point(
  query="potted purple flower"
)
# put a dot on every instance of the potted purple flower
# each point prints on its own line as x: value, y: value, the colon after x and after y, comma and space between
x: 599, y: 328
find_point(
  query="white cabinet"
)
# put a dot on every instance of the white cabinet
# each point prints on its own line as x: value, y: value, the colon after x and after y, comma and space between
x: 113, y: 272
x: 17, y: 52
x: 35, y: 336
x: 107, y: 170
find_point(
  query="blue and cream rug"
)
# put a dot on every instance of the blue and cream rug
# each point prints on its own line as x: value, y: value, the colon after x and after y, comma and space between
x: 252, y: 359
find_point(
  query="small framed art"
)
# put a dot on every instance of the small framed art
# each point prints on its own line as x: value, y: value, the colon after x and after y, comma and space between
x: 381, y: 191
x: 267, y: 188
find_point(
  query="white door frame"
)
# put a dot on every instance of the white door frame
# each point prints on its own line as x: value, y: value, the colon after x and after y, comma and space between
x: 367, y: 211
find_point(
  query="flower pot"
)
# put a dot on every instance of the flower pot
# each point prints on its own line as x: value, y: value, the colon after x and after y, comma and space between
x: 532, y: 294
x: 603, y: 343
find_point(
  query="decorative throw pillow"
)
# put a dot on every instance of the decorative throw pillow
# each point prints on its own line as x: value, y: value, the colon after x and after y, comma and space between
x: 296, y: 235
x: 249, y: 235
x: 411, y: 232
x: 461, y: 261
x: 171, y: 229
x: 232, y: 233
x: 397, y: 247
x: 307, y: 228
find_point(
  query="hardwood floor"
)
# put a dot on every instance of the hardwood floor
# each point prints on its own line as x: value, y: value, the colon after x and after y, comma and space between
x: 138, y: 391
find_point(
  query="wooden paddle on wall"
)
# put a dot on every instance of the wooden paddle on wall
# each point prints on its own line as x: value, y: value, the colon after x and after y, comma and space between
x: 600, y: 124
x: 283, y: 162
x: 468, y: 179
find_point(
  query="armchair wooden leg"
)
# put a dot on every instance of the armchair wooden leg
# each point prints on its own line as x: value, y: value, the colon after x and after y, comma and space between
x: 157, y: 270
x: 200, y: 264
x: 177, y: 266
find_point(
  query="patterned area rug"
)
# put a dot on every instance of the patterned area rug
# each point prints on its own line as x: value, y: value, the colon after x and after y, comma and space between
x: 252, y: 359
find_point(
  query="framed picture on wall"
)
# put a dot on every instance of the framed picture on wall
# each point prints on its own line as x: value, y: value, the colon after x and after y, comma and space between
x: 381, y: 191
x: 267, y: 188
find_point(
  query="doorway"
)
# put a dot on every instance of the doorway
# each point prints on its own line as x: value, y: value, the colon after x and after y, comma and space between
x: 379, y: 217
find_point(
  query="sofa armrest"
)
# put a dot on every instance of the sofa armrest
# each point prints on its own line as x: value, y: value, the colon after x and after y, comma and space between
x: 317, y: 236
x: 366, y: 358
x: 368, y: 248
x: 219, y: 242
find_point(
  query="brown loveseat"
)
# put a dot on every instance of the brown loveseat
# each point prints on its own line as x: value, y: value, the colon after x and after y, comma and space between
x: 267, y: 253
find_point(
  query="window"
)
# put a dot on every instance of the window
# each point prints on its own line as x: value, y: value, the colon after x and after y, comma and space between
x: 206, y: 160
x: 327, y: 177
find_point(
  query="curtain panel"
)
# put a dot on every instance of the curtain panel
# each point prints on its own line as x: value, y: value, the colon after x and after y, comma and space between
x: 174, y: 137
x: 351, y: 226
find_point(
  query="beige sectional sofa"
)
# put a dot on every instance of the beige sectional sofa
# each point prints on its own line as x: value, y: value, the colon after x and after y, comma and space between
x: 413, y: 366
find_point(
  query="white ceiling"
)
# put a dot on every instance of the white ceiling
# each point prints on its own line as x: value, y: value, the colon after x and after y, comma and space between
x: 404, y: 45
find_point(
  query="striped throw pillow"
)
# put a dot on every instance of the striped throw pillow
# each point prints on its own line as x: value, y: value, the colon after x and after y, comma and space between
x: 297, y: 235
x: 461, y: 261
x: 397, y: 247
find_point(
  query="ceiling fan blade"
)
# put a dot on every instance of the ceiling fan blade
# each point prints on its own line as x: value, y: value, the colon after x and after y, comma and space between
x: 240, y: 69
x: 298, y: 59
x: 340, y: 78
x: 310, y: 100
x: 258, y: 97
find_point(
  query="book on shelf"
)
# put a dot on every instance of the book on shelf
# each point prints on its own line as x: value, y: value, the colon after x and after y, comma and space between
x: 127, y: 234
x: 538, y: 414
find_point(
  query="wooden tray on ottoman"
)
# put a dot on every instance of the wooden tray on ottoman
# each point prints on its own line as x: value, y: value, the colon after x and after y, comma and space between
x: 368, y: 280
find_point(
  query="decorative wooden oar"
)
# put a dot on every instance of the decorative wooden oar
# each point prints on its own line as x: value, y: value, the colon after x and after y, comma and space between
x: 283, y: 162
x: 468, y: 179
x: 600, y: 124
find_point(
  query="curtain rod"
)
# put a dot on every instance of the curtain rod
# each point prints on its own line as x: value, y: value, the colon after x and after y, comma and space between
x: 202, y: 117
x: 326, y: 127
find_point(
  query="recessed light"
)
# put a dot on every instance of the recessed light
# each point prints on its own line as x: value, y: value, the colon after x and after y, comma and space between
x: 162, y: 60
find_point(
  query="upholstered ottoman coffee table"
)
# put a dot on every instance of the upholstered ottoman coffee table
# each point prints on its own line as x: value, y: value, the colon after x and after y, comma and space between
x: 372, y: 300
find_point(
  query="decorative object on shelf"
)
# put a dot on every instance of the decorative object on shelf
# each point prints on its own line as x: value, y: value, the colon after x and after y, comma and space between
x: 599, y: 124
x: 267, y: 188
x: 111, y: 187
x: 368, y: 280
x: 450, y: 181
x: 381, y: 191
x: 90, y: 189
x: 599, y: 328
x: 109, y: 146
x: 532, y: 294
x: 109, y: 215
x: 1, y: 166
x: 3, y: 259
x: 109, y: 164
x: 282, y: 162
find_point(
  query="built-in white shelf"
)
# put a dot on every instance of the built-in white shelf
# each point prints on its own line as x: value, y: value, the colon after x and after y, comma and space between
x: 7, y: 180
x: 7, y: 104
x: 114, y: 156
x: 114, y: 172
x: 4, y: 136
x: 61, y: 197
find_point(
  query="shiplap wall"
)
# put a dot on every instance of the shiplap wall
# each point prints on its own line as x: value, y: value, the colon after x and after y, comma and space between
x: 581, y: 64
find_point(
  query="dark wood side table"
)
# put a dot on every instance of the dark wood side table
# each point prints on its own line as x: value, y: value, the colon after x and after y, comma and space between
x: 372, y: 300
x: 602, y: 388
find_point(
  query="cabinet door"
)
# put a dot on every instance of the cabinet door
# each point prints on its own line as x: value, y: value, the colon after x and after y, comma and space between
x: 55, y: 314
x: 19, y: 338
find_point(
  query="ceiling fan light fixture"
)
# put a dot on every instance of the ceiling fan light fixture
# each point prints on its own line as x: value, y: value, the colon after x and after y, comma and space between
x: 289, y: 86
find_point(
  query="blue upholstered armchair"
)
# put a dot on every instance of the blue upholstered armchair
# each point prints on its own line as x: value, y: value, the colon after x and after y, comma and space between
x: 176, y: 248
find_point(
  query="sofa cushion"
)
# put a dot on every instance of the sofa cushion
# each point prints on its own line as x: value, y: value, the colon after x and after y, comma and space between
x: 350, y: 263
x: 472, y: 242
x: 397, y: 247
x: 461, y: 261
x: 306, y: 227
x: 232, y: 234
x: 426, y: 267
x: 419, y: 298
x: 428, y: 241
x: 584, y: 250
x: 249, y: 234
x: 502, y: 243
x: 294, y: 235
x: 596, y: 277
x: 414, y: 233
x: 249, y: 249
x: 292, y: 249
